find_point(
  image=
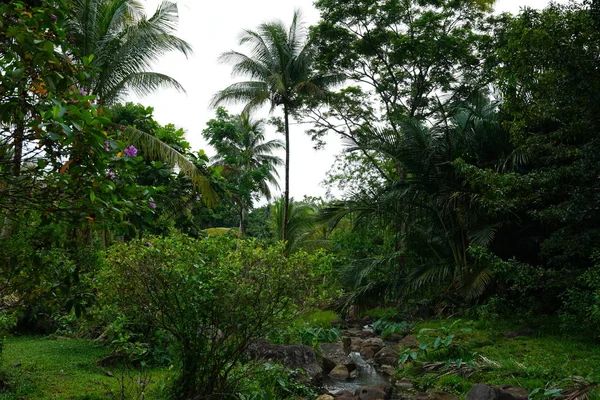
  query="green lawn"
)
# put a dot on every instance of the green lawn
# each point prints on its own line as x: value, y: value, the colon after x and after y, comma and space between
x: 63, y: 368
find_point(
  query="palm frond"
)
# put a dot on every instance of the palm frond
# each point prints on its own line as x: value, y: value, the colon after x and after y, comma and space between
x: 156, y: 149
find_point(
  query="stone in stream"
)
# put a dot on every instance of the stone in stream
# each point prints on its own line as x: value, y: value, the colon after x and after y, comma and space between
x: 404, y: 384
x: 325, y: 397
x: 386, y: 355
x: 486, y: 392
x: 356, y: 344
x: 333, y: 354
x: 344, y: 395
x: 340, y: 372
x: 373, y: 392
x: 371, y: 346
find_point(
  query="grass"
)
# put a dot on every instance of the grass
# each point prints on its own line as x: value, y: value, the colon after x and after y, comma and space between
x: 63, y: 368
x: 543, y: 360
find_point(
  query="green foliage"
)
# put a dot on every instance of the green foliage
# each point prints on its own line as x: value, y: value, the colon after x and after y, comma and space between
x: 210, y: 297
x: 272, y: 382
x: 385, y: 328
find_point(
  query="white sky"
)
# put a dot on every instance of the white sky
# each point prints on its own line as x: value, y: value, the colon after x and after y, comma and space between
x: 213, y: 27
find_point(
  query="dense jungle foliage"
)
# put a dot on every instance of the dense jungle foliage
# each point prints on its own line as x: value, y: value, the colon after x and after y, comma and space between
x: 470, y: 181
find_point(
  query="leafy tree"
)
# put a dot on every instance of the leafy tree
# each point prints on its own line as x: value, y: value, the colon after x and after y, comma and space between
x: 548, y: 77
x: 281, y: 73
x: 245, y: 156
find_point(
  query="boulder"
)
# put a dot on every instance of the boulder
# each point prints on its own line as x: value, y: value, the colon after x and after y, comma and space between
x: 344, y: 395
x: 325, y: 397
x: 486, y: 392
x: 356, y: 344
x: 440, y: 395
x: 340, y: 372
x: 294, y: 356
x: 373, y: 393
x: 409, y: 341
x: 333, y: 354
x: 386, y: 355
x: 371, y: 346
x: 404, y: 384
x: 388, y: 370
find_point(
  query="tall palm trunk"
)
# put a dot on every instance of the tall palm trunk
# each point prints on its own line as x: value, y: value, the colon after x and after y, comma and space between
x: 286, y: 194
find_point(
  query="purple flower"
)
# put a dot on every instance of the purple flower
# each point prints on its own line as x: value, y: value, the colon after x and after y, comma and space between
x: 110, y: 175
x: 131, y: 151
x: 107, y: 145
x: 44, y: 186
x: 82, y: 92
x: 53, y: 17
x: 153, y: 205
x: 149, y: 244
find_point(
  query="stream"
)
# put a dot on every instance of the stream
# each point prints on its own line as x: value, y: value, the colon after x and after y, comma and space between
x: 367, y: 376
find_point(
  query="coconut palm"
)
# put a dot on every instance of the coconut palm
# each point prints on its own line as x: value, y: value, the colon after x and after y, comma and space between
x: 122, y: 44
x: 280, y: 69
x: 246, y: 157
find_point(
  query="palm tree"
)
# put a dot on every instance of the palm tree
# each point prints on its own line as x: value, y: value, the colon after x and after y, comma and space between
x: 122, y: 44
x: 281, y: 72
x: 245, y: 156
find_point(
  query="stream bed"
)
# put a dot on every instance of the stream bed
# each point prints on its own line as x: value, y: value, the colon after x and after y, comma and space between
x: 367, y: 376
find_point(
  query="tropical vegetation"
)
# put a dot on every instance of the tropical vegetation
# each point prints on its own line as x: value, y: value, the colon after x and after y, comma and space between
x: 136, y: 266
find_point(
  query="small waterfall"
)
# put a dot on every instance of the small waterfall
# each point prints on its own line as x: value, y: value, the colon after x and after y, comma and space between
x: 367, y: 376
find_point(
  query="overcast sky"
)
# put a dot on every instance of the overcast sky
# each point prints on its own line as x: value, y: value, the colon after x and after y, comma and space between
x: 213, y: 27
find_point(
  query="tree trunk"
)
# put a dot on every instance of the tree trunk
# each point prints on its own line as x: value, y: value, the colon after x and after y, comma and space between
x: 18, y: 140
x: 242, y: 221
x: 286, y: 195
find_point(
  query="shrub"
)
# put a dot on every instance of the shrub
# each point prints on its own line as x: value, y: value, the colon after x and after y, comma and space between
x: 211, y: 297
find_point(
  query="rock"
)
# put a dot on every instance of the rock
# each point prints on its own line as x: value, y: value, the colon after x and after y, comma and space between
x: 485, y: 392
x: 440, y: 395
x: 293, y: 356
x: 340, y: 372
x: 108, y: 373
x: 353, y: 375
x: 17, y: 364
x: 339, y: 322
x: 356, y: 344
x: 386, y: 355
x: 388, y: 370
x: 325, y: 397
x: 373, y: 393
x: 516, y: 391
x: 421, y: 396
x: 333, y: 354
x: 404, y: 384
x: 344, y: 395
x: 519, y: 332
x: 409, y: 341
x: 394, y: 337
x: 371, y: 346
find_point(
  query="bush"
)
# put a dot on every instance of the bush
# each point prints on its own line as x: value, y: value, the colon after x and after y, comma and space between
x: 210, y: 297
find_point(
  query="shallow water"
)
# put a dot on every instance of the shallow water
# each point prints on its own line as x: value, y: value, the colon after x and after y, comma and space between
x: 367, y: 376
